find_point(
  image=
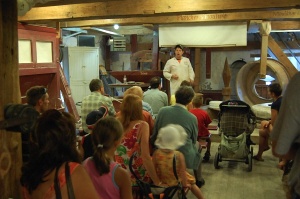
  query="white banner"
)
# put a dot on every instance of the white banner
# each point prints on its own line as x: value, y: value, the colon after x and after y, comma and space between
x: 220, y: 35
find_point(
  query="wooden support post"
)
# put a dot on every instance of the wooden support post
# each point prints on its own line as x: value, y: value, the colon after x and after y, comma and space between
x: 134, y: 44
x: 226, y: 91
x: 265, y: 29
x: 155, y: 49
x: 197, y: 69
x: 208, y: 63
x: 10, y: 143
x: 107, y: 54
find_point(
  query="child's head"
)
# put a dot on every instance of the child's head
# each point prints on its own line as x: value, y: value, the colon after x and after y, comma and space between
x: 94, y: 116
x: 106, y: 135
x: 198, y: 100
x: 171, y: 137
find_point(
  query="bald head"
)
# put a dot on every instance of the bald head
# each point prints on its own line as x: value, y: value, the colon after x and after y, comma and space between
x: 135, y: 90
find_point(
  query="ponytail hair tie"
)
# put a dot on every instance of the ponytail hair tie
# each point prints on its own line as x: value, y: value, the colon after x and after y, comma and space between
x: 100, y: 146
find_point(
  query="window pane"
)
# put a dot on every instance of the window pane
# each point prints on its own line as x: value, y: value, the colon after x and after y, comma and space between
x: 44, y: 52
x: 25, y: 51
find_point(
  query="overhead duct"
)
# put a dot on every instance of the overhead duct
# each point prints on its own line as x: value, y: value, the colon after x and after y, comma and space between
x: 214, y: 35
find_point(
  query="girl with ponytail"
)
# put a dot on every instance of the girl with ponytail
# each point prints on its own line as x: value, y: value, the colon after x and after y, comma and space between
x: 109, y: 178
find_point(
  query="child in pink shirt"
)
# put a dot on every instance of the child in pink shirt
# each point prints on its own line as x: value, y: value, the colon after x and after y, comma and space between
x: 109, y: 178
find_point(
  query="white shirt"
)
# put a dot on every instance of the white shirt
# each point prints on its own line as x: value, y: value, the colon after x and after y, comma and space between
x: 183, y: 70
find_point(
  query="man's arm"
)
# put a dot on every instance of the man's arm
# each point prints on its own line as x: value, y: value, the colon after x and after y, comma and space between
x: 167, y: 70
x: 191, y: 72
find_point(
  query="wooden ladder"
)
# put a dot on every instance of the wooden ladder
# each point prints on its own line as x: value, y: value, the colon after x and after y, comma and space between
x: 66, y: 92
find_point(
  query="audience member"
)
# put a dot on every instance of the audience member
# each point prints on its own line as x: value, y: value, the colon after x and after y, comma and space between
x: 135, y: 138
x: 183, y: 83
x: 177, y: 69
x: 53, y: 153
x: 169, y: 139
x: 148, y: 116
x: 94, y: 101
x: 38, y: 98
x: 91, y: 119
x: 109, y: 178
x: 178, y: 114
x: 154, y: 96
x: 203, y: 122
x: 286, y: 133
x: 137, y: 90
x: 274, y: 90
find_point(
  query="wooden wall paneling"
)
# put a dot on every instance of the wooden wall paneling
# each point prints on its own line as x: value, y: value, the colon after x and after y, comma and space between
x: 10, y: 143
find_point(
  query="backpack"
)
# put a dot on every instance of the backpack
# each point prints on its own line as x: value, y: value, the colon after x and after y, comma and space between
x: 20, y: 117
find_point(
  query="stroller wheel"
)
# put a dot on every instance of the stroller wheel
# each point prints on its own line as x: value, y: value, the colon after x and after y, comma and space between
x: 250, y: 155
x: 216, y: 161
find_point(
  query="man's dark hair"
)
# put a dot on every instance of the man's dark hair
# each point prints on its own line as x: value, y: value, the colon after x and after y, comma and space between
x: 275, y: 88
x: 185, y: 83
x: 155, y: 82
x: 35, y: 93
x: 179, y: 46
x: 184, y: 95
x: 95, y: 85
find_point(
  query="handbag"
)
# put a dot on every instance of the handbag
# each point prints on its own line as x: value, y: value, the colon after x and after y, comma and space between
x: 71, y: 194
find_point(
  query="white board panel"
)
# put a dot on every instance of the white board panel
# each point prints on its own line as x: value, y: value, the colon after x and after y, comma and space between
x: 220, y: 35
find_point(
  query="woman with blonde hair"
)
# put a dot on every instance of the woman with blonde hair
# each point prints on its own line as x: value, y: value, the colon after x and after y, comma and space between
x: 135, y: 138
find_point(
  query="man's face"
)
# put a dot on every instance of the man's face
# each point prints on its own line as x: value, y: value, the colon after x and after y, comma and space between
x: 178, y: 53
x: 44, y: 103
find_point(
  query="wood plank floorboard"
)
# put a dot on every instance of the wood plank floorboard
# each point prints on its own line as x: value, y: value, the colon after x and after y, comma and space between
x: 233, y: 181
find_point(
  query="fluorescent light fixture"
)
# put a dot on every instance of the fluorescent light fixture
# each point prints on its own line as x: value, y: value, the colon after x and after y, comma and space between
x: 268, y: 78
x: 76, y: 33
x: 116, y: 26
x: 106, y: 31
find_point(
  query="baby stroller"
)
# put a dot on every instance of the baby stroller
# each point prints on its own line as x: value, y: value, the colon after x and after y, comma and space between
x: 150, y: 191
x: 236, y: 123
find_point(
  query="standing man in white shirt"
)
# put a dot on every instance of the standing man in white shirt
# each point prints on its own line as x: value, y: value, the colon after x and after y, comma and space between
x: 177, y: 69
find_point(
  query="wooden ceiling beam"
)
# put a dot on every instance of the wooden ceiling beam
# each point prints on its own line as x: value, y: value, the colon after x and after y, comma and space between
x: 285, y: 25
x: 127, y: 8
x: 293, y: 14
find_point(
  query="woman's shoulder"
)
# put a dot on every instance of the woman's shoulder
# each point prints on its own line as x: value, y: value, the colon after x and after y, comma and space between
x: 138, y: 123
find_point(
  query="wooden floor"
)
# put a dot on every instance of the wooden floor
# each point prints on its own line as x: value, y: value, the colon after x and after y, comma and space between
x: 233, y: 181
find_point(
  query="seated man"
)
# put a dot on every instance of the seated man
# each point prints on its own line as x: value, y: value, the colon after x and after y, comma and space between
x: 274, y: 90
x: 154, y: 96
x: 94, y: 101
x: 178, y: 114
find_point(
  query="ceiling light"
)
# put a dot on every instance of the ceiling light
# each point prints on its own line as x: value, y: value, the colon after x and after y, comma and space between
x: 116, y: 26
